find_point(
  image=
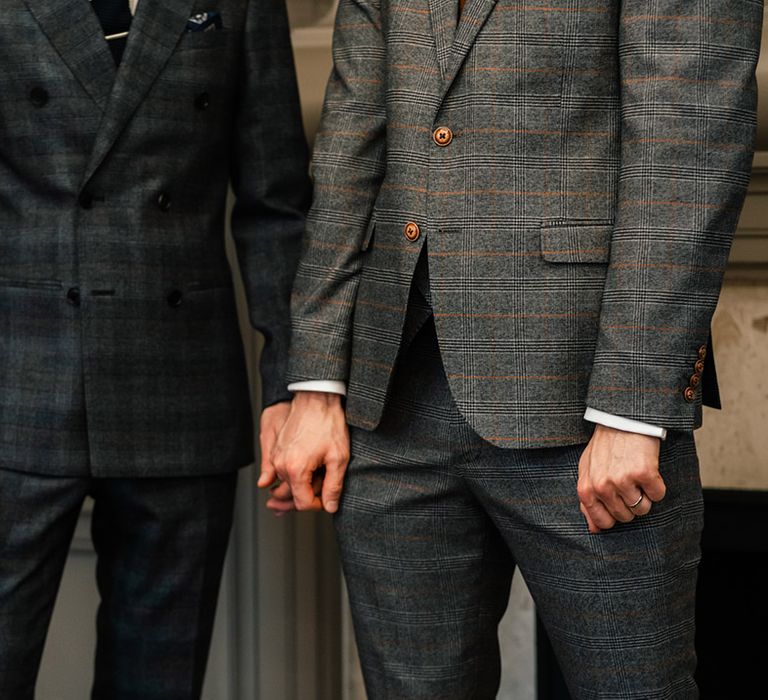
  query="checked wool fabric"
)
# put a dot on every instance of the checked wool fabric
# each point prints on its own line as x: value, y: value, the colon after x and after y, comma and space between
x: 161, y: 545
x: 120, y: 346
x: 576, y: 170
x: 434, y: 520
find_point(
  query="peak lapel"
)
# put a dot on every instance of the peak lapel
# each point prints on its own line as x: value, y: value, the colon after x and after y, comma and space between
x: 74, y: 30
x: 156, y: 29
x: 444, y: 14
x: 472, y: 20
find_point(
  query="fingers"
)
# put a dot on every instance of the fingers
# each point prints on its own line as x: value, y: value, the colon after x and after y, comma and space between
x: 333, y: 483
x: 281, y: 492
x: 304, y: 496
x: 636, y: 501
x: 311, y: 447
x: 268, y: 474
x: 615, y: 470
x: 653, y: 485
x: 272, y: 420
x: 280, y: 500
x: 593, y: 529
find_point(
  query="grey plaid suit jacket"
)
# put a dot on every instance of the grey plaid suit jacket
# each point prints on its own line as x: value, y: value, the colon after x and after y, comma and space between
x: 577, y: 207
x: 119, y: 345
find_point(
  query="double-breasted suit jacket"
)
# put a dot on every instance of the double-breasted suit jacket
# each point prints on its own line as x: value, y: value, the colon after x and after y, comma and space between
x: 575, y: 170
x: 120, y: 352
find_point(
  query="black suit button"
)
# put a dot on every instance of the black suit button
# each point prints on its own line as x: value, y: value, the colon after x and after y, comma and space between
x: 86, y: 200
x: 38, y: 97
x: 73, y: 296
x: 202, y: 101
x: 174, y: 298
x: 164, y: 201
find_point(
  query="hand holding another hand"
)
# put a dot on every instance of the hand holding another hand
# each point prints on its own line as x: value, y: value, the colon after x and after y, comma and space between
x: 309, y: 455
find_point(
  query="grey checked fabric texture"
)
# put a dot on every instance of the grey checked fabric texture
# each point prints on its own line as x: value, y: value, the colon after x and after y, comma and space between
x: 434, y: 520
x: 579, y: 220
x: 158, y: 576
x: 120, y: 352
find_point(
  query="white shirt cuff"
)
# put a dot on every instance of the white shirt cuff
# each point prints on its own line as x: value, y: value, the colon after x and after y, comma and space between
x: 329, y: 386
x: 626, y: 424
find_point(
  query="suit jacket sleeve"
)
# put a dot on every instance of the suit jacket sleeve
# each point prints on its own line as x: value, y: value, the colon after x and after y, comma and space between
x: 348, y: 167
x: 271, y: 183
x: 688, y: 115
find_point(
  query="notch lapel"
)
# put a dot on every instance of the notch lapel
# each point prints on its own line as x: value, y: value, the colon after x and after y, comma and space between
x: 155, y: 32
x: 473, y: 18
x: 74, y: 31
x: 443, y: 15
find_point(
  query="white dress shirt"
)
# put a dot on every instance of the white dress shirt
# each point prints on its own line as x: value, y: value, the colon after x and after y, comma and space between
x: 592, y: 415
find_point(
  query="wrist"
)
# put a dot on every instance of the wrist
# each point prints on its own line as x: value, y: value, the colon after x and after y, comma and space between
x: 605, y: 431
x: 316, y: 399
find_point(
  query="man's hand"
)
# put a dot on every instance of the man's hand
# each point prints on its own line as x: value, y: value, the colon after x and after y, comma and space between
x: 272, y: 420
x: 617, y: 469
x: 310, y: 455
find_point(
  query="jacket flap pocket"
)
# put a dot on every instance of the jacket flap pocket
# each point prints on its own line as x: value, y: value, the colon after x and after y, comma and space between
x: 576, y: 242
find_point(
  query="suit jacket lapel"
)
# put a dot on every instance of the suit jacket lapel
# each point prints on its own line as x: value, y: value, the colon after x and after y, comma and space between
x: 444, y: 14
x: 472, y: 20
x: 156, y: 29
x: 74, y: 30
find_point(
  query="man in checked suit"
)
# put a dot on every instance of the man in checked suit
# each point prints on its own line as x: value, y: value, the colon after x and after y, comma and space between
x: 121, y: 364
x: 523, y: 212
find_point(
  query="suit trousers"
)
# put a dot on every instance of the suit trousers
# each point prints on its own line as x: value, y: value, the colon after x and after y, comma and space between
x: 160, y: 544
x: 434, y: 521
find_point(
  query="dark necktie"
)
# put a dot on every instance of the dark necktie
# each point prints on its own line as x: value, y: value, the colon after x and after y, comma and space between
x: 115, y: 17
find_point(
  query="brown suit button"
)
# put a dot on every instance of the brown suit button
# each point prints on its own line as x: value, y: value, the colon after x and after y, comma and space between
x: 695, y: 380
x: 442, y: 136
x: 702, y: 352
x: 699, y: 366
x: 689, y: 394
x: 73, y: 296
x: 412, y: 231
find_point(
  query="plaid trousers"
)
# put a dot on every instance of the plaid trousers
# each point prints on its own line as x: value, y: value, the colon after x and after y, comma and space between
x: 434, y: 521
x: 161, y: 544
